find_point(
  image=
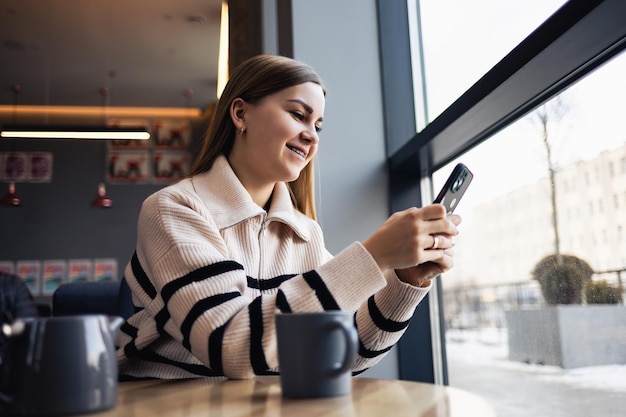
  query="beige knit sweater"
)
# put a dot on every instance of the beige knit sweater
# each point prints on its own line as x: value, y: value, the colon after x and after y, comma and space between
x: 212, y: 268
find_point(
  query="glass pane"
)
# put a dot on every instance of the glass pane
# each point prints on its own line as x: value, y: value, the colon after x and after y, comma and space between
x: 510, y: 337
x: 464, y: 39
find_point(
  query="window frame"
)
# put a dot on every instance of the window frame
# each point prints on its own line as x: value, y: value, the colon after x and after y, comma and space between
x: 578, y: 38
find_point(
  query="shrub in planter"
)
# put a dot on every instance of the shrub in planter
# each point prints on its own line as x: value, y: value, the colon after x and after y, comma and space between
x: 601, y: 292
x: 562, y: 282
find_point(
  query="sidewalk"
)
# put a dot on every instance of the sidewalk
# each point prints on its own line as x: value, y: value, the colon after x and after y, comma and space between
x: 477, y: 363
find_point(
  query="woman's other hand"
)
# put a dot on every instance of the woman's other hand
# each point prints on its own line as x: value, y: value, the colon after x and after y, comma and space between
x: 416, y: 243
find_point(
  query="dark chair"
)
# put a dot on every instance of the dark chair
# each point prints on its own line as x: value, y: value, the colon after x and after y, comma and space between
x: 16, y: 301
x: 111, y: 298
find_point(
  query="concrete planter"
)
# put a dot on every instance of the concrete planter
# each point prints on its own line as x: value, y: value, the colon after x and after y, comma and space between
x: 569, y: 336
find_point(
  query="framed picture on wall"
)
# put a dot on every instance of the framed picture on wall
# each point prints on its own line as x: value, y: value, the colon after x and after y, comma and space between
x: 40, y: 167
x: 105, y: 269
x: 30, y: 272
x: 54, y: 272
x: 169, y: 166
x: 128, y: 167
x: 80, y: 270
x: 171, y: 133
x: 8, y: 267
x: 15, y: 167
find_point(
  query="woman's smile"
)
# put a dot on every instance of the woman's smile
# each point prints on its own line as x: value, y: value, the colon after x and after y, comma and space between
x: 301, y: 153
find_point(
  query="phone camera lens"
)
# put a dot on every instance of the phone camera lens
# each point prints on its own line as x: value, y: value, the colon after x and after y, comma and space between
x: 457, y: 184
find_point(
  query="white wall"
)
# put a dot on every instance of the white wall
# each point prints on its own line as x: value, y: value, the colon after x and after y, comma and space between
x: 340, y: 40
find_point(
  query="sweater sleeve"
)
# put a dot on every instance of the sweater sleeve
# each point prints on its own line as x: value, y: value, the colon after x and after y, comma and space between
x: 384, y: 316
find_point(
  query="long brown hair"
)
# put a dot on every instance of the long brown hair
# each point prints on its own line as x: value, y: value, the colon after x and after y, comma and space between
x: 254, y: 79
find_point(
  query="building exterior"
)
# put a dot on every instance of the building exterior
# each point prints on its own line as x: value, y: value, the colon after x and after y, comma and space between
x: 511, y: 233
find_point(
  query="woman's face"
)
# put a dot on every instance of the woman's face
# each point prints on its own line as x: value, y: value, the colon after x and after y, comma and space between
x: 281, y: 134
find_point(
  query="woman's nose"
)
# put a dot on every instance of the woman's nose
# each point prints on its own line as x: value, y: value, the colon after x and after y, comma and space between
x: 310, y: 135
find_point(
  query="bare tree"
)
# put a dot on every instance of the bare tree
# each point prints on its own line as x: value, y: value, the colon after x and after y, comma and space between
x: 547, y: 115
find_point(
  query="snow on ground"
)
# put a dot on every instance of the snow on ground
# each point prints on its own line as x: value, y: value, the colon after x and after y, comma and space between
x: 489, y: 347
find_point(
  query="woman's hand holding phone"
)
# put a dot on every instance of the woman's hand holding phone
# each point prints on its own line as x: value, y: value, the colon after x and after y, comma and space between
x: 406, y: 239
x: 417, y: 243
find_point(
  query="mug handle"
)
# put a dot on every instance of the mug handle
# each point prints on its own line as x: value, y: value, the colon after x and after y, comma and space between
x: 351, y: 339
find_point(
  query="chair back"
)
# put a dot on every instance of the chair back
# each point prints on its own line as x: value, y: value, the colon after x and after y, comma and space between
x: 111, y: 298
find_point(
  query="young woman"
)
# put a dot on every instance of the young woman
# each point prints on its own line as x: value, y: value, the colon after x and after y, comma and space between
x: 221, y: 252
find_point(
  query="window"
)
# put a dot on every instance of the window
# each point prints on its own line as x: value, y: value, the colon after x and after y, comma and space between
x: 550, y: 59
x: 493, y: 278
x: 464, y: 39
x: 478, y: 124
x: 481, y: 348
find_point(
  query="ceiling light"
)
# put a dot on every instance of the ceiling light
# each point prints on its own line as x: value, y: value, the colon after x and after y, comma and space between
x: 74, y: 132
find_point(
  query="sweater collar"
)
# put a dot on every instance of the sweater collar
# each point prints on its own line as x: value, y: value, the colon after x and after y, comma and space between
x: 230, y: 203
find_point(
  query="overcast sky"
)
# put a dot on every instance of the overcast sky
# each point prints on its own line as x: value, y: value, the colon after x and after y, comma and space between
x: 463, y: 40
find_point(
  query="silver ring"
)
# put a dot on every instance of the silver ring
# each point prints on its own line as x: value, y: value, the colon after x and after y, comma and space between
x: 435, y: 242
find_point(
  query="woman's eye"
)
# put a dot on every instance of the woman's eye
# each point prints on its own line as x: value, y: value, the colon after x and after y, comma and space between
x: 318, y: 129
x: 298, y: 115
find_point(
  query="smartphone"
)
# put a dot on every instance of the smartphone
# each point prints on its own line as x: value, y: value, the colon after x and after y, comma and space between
x: 454, y: 188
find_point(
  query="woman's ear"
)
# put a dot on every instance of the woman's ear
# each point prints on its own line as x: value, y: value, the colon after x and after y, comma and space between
x: 238, y: 112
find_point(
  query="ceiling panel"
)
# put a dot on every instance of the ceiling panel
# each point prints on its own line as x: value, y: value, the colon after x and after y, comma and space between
x: 146, y: 52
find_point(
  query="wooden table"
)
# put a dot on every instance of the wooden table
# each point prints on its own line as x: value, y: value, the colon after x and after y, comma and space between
x: 262, y: 397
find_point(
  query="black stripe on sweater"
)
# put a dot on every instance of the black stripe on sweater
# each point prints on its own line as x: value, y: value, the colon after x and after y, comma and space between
x: 268, y: 284
x: 381, y: 321
x: 131, y: 352
x: 151, y: 356
x: 257, y: 356
x: 281, y: 302
x: 216, y: 339
x: 141, y: 277
x: 198, y: 309
x: 132, y: 331
x: 199, y: 274
x: 321, y: 290
x: 368, y: 353
x: 365, y: 352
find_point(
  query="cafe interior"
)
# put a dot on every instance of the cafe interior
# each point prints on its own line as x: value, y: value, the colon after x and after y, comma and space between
x: 157, y: 66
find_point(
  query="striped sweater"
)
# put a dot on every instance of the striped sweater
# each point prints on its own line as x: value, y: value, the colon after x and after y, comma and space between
x: 212, y: 268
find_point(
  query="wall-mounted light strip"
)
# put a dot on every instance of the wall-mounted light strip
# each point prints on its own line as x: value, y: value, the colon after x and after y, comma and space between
x: 222, y: 66
x: 60, y: 132
x: 85, y: 111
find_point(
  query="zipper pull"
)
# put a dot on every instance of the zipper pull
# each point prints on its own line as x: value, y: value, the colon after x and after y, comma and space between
x: 263, y: 224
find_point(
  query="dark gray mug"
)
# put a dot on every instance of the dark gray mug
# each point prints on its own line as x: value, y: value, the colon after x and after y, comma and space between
x: 316, y: 352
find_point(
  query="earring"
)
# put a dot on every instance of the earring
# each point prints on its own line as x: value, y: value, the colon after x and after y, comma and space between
x: 242, y: 130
